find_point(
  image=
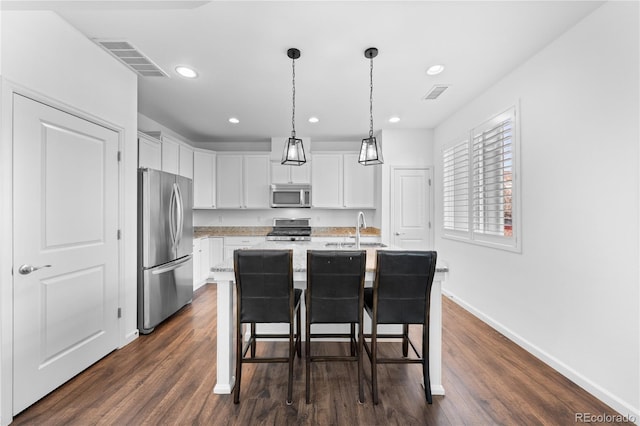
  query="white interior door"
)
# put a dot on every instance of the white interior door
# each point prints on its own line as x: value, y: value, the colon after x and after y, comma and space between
x: 65, y: 223
x: 411, y: 209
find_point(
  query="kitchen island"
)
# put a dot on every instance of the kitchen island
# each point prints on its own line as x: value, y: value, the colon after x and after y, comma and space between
x: 223, y: 276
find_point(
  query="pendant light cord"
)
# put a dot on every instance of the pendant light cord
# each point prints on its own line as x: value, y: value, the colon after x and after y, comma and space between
x: 293, y: 85
x: 371, y: 99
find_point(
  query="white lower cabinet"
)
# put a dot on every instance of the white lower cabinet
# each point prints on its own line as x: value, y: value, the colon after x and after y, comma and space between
x: 233, y: 243
x: 207, y: 251
x: 197, y: 245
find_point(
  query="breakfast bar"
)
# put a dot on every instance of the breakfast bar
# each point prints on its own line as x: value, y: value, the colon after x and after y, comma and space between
x: 223, y: 276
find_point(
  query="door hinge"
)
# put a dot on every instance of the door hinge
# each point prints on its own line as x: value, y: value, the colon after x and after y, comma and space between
x: 119, y: 312
x: 429, y: 225
x: 119, y: 234
x: 429, y: 181
x: 119, y: 155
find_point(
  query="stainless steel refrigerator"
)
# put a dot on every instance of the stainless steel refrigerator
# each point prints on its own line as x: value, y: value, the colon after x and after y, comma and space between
x: 165, y: 246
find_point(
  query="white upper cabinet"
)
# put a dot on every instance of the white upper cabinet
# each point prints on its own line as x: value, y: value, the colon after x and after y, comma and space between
x: 359, y: 183
x: 229, y: 181
x: 242, y: 181
x: 170, y: 155
x: 204, y: 180
x: 326, y: 181
x: 177, y: 156
x: 186, y: 162
x: 339, y: 181
x: 149, y: 152
x: 283, y: 173
x: 256, y: 181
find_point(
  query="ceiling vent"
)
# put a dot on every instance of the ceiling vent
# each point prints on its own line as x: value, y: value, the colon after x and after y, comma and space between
x: 435, y: 92
x: 132, y: 58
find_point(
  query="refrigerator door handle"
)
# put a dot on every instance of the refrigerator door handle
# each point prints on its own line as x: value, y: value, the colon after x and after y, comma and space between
x: 172, y: 266
x: 173, y: 228
x: 180, y: 218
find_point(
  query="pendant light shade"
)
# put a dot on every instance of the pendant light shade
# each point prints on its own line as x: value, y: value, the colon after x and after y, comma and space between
x: 293, y: 153
x: 370, y: 150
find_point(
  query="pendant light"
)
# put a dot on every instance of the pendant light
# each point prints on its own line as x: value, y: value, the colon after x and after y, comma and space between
x: 293, y: 153
x: 370, y: 151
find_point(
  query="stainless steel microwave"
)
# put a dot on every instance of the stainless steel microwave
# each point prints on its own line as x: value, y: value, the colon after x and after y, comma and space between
x: 290, y: 195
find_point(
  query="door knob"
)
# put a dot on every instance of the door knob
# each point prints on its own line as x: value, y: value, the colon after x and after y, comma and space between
x: 27, y: 269
x: 397, y: 233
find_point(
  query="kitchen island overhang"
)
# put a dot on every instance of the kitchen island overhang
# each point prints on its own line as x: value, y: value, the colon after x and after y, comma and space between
x: 223, y: 277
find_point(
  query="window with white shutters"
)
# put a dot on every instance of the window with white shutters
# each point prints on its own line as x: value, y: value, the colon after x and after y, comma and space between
x: 480, y: 187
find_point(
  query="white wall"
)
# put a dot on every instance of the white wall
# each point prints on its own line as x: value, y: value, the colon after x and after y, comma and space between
x: 44, y: 56
x: 571, y: 297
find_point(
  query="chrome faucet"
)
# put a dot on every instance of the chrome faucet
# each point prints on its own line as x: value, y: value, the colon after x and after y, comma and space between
x: 360, y: 223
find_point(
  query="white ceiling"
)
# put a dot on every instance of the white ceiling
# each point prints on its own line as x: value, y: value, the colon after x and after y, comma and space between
x: 239, y: 50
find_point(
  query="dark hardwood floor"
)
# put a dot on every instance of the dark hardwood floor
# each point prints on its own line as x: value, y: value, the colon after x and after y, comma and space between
x: 168, y: 376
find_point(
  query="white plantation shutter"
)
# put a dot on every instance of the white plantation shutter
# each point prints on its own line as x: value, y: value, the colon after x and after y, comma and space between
x: 492, y: 171
x: 456, y: 187
x: 480, y: 186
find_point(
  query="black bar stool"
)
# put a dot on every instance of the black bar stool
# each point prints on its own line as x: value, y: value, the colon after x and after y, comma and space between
x: 265, y: 294
x: 401, y: 294
x: 334, y: 295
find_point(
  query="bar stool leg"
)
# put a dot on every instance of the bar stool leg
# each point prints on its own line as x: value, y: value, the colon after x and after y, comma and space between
x: 253, y: 341
x: 307, y: 356
x: 425, y: 362
x: 291, y: 356
x: 353, y: 341
x: 236, y: 390
x: 360, y: 366
x: 374, y: 360
x: 405, y: 340
x: 299, y: 335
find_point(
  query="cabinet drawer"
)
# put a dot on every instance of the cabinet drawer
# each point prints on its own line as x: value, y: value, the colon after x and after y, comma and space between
x: 243, y: 241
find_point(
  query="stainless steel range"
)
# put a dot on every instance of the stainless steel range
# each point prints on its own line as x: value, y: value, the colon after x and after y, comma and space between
x: 284, y: 229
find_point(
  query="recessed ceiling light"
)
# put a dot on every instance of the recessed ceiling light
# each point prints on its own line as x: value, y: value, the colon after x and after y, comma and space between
x: 234, y: 120
x: 186, y: 72
x: 313, y: 119
x: 435, y: 69
x: 394, y: 119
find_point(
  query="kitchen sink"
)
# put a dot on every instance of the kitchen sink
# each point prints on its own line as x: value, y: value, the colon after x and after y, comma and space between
x: 352, y: 245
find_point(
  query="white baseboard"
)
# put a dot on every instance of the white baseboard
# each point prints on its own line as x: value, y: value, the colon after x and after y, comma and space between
x: 622, y: 407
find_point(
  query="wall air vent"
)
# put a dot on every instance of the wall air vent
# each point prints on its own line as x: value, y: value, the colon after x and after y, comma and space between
x: 435, y: 92
x: 126, y: 53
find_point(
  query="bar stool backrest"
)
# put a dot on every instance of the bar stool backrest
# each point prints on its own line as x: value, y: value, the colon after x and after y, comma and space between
x: 264, y: 282
x: 335, y: 284
x: 403, y: 283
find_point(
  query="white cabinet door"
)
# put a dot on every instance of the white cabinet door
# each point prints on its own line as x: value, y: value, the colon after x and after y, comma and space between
x: 256, y: 181
x: 204, y: 261
x: 280, y: 173
x: 326, y: 179
x: 359, y: 183
x: 216, y: 250
x: 186, y: 162
x: 229, y: 191
x: 149, y: 152
x: 300, y: 174
x: 204, y: 180
x: 197, y: 247
x: 170, y: 156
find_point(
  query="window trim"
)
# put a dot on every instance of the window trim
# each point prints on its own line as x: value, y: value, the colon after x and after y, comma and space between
x: 512, y: 243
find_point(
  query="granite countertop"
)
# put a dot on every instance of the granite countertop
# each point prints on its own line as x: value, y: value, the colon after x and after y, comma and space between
x: 262, y: 231
x: 300, y: 259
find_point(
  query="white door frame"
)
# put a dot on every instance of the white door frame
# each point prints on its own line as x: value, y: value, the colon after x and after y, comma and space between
x: 7, y: 90
x: 430, y: 196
